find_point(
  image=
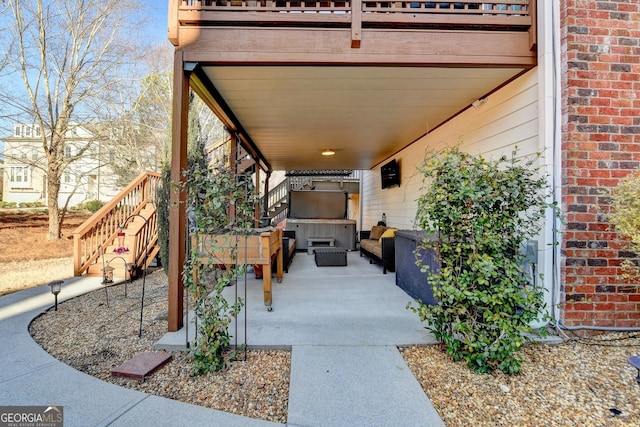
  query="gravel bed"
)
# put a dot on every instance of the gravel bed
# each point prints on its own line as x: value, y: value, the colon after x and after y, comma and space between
x: 94, y: 338
x: 581, y: 382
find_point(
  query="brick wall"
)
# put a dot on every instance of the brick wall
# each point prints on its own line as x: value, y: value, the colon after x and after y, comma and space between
x: 600, y: 144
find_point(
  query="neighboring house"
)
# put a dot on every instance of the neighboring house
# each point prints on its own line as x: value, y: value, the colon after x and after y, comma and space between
x: 24, y: 177
x: 572, y: 93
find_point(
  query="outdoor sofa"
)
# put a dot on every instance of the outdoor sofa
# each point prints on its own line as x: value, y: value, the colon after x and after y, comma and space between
x: 378, y: 244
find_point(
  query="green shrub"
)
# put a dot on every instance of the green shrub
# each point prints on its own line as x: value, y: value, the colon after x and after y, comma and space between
x: 8, y: 205
x: 480, y: 212
x: 626, y: 219
x: 30, y: 204
x: 163, y: 193
x: 213, y: 195
x: 92, y: 205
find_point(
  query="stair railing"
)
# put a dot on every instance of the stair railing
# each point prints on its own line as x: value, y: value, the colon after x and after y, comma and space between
x: 102, y: 227
x: 277, y: 195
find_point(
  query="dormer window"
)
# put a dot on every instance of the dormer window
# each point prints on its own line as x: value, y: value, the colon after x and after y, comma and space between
x: 27, y: 131
x: 18, y: 130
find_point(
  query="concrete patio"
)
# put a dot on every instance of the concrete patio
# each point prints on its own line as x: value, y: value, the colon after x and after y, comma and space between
x: 342, y: 325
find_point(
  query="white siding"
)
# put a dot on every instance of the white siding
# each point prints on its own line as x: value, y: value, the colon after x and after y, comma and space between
x: 508, y: 119
x: 21, y: 151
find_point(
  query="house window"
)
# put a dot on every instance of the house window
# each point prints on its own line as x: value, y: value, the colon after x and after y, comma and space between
x: 34, y: 154
x: 67, y: 178
x: 18, y: 130
x: 36, y: 130
x: 27, y: 131
x: 68, y: 152
x: 20, y: 176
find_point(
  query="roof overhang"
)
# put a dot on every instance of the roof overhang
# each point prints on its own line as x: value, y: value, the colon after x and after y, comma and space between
x: 288, y: 115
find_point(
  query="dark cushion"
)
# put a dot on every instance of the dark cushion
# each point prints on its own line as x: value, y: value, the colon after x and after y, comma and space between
x: 376, y: 232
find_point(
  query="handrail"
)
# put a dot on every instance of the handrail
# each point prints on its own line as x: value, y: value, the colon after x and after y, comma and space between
x: 357, y: 15
x: 102, y: 227
x: 487, y: 8
x: 277, y: 194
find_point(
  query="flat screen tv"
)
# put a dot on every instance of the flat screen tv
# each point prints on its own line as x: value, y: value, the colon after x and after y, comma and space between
x: 390, y: 174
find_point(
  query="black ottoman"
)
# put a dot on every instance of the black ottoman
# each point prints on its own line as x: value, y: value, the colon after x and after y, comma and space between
x: 330, y: 257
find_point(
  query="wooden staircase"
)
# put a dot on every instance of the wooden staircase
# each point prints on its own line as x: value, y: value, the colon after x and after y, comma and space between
x: 97, y: 242
x: 130, y: 249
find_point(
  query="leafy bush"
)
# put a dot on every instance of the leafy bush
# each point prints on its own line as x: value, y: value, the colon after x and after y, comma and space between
x: 92, y: 205
x: 8, y: 205
x: 163, y: 194
x: 220, y: 202
x: 626, y: 218
x: 30, y: 204
x: 480, y: 212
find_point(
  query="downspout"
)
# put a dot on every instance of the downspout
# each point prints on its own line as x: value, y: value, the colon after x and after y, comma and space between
x: 361, y: 202
x: 549, y: 144
x: 557, y: 158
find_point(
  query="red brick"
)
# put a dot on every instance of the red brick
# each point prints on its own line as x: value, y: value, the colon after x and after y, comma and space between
x: 629, y: 323
x: 618, y: 104
x: 597, y: 280
x: 617, y: 298
x: 604, y: 323
x: 604, y: 306
x: 618, y: 315
x: 608, y: 182
x: 584, y: 289
x: 575, y: 315
x: 598, y: 226
x: 583, y: 306
x: 600, y: 155
x: 605, y: 271
x: 626, y: 306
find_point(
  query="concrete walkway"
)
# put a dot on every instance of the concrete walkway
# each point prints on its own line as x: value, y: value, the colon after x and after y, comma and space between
x: 342, y: 324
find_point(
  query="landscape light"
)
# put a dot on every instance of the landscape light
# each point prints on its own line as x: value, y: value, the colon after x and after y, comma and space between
x: 56, y: 287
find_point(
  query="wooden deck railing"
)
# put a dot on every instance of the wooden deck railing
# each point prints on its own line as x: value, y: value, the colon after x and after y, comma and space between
x: 358, y: 15
x: 508, y: 12
x: 102, y: 227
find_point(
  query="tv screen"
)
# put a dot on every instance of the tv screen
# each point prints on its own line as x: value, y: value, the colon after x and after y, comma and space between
x: 390, y: 174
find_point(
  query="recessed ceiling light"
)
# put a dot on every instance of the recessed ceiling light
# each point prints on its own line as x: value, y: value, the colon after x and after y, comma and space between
x: 328, y: 152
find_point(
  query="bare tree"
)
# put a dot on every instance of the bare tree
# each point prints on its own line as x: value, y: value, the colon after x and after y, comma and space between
x: 4, y: 53
x: 142, y: 117
x: 69, y: 55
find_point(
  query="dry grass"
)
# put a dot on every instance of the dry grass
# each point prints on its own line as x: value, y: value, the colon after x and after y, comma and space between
x: 27, y: 258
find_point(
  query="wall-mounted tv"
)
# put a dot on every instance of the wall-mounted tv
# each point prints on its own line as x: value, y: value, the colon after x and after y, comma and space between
x: 390, y: 174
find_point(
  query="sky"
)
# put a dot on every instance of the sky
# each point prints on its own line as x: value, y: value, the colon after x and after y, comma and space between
x: 156, y: 29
